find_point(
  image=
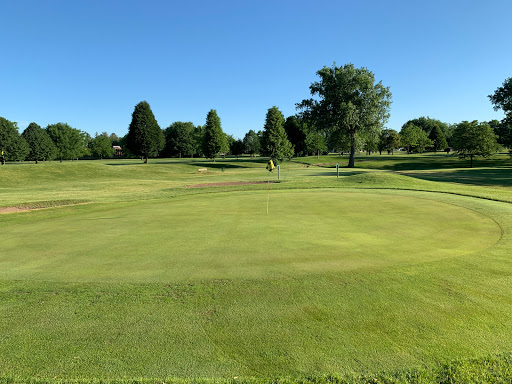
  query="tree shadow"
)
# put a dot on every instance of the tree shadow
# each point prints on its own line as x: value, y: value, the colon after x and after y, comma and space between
x: 432, y: 161
x: 333, y: 173
x: 219, y: 165
x: 487, y: 177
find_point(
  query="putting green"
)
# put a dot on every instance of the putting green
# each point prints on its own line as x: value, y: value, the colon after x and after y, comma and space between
x: 230, y: 235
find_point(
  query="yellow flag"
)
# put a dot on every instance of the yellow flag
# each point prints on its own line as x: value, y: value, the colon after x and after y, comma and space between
x: 270, y: 166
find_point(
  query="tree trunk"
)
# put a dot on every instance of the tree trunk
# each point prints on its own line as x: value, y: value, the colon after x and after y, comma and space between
x: 470, y: 161
x: 318, y: 154
x: 36, y: 161
x: 351, y: 160
x: 146, y: 160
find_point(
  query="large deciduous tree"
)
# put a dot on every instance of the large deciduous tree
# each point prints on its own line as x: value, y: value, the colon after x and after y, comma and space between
x: 472, y: 139
x: 145, y: 138
x: 315, y: 141
x: 69, y: 142
x: 389, y: 140
x: 9, y: 140
x: 428, y: 124
x: 503, y: 131
x: 179, y: 139
x: 348, y: 100
x: 214, y: 139
x: 40, y: 144
x: 275, y: 142
x: 414, y: 138
x: 252, y: 143
x: 502, y: 99
x: 101, y: 146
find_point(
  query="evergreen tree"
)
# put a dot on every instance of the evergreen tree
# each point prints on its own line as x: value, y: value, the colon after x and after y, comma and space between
x: 438, y: 139
x: 40, y: 144
x: 198, y: 139
x: 275, y: 141
x: 296, y: 131
x: 237, y: 148
x: 114, y: 139
x: 145, y: 138
x: 214, y: 139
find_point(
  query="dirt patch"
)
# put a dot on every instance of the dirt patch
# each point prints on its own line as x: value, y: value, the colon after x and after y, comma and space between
x: 41, y: 205
x: 227, y: 184
x: 12, y: 209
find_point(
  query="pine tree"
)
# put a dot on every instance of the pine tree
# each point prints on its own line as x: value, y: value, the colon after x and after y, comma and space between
x: 214, y: 138
x: 275, y: 142
x: 438, y: 138
x: 145, y: 138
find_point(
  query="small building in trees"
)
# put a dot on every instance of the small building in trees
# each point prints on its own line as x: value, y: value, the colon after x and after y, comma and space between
x: 118, y: 151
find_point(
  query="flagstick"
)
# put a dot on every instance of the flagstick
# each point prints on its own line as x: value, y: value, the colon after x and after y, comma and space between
x: 268, y: 192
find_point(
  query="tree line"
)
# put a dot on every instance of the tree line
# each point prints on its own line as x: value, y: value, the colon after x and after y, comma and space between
x: 347, y: 114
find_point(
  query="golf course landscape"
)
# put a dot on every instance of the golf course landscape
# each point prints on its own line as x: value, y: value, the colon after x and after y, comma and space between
x: 398, y: 270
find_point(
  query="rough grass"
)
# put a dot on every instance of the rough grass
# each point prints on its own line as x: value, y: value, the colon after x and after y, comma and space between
x: 94, y: 304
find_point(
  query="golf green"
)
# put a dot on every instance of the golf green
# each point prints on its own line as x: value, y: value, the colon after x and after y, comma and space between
x: 230, y: 235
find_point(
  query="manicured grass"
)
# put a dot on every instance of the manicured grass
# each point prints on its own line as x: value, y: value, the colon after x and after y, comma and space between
x: 373, y: 272
x: 231, y: 236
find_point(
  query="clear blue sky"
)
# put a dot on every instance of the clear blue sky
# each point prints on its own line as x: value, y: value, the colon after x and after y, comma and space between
x: 88, y: 63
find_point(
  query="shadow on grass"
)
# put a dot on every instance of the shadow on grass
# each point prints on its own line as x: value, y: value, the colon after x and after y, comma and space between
x: 198, y: 162
x: 426, y: 162
x: 488, y: 177
x: 333, y: 173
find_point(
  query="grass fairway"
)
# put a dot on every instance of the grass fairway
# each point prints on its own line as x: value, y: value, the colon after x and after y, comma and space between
x: 367, y: 275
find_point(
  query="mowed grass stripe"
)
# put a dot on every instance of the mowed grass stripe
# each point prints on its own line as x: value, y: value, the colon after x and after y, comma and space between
x: 231, y: 236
